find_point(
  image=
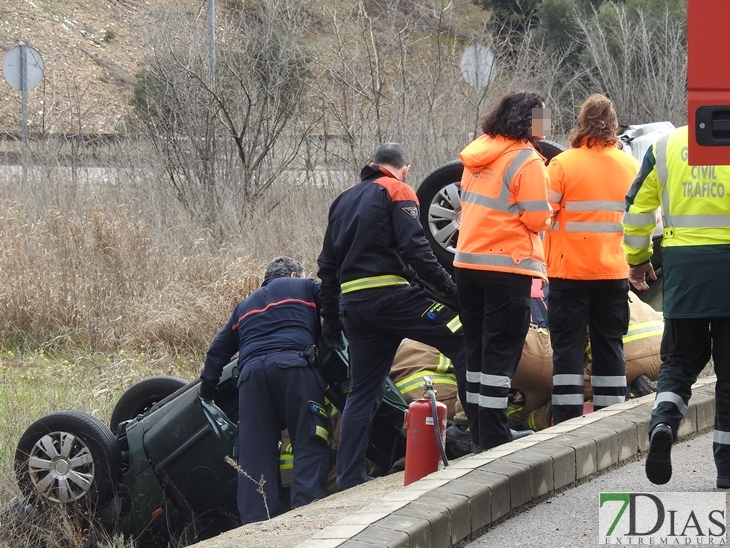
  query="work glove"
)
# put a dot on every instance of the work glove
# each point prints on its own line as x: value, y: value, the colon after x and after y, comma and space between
x: 332, y: 332
x: 451, y: 298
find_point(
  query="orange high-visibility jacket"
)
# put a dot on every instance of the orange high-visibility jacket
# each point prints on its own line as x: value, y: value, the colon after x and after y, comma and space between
x: 504, y: 199
x: 587, y: 193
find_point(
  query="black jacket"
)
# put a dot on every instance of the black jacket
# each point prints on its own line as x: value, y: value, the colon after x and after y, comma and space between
x: 374, y: 230
x: 283, y: 314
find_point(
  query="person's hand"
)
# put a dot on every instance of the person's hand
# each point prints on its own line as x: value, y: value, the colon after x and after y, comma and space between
x: 638, y: 274
x: 450, y: 294
x: 332, y: 332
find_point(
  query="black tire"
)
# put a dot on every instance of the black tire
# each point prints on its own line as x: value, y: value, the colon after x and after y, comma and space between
x: 439, y: 196
x: 142, y: 396
x: 68, y: 458
x: 549, y: 149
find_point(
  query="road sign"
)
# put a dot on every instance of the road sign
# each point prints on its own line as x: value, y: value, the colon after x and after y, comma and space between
x: 477, y: 65
x: 23, y: 68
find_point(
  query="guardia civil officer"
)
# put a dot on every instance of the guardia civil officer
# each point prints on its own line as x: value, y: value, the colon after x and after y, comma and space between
x: 695, y: 210
x: 373, y: 245
x: 277, y: 389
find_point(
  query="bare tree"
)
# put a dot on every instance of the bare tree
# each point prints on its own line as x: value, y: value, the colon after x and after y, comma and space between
x: 640, y: 61
x: 225, y: 133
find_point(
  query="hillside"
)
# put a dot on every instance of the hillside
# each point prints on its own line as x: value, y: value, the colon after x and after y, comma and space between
x: 92, y: 50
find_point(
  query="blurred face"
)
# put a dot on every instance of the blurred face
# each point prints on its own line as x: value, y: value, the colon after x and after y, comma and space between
x: 540, y: 122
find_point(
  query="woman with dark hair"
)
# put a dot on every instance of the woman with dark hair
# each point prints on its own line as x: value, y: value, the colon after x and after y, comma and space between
x: 585, y: 261
x: 504, y: 196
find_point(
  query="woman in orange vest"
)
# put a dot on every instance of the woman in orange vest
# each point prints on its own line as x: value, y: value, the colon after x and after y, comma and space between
x: 504, y: 197
x: 585, y: 263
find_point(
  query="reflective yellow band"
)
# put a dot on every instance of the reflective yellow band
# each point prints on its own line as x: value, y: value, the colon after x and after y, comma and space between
x: 286, y: 461
x: 643, y: 330
x: 444, y: 364
x: 454, y: 325
x: 372, y: 282
x: 322, y: 432
x: 414, y: 381
x: 638, y: 331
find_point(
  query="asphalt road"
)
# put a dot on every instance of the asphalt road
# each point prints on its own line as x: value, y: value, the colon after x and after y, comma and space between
x: 570, y: 518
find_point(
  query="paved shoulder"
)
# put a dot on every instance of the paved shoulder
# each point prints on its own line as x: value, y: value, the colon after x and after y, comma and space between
x: 474, y: 492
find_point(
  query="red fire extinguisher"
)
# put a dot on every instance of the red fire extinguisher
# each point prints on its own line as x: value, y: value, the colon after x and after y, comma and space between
x: 425, y: 423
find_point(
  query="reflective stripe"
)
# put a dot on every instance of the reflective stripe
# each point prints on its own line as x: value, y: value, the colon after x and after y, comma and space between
x: 555, y: 196
x: 670, y: 397
x: 497, y: 381
x: 593, y: 227
x: 454, y: 325
x: 567, y: 380
x: 415, y: 381
x: 554, y: 225
x: 604, y: 401
x: 486, y: 259
x: 595, y: 205
x: 534, y: 205
x: 514, y: 166
x: 501, y: 202
x: 321, y: 432
x: 286, y: 461
x: 567, y: 399
x: 486, y: 401
x: 444, y: 364
x: 643, y: 330
x: 497, y: 204
x: 718, y: 436
x: 637, y: 241
x: 701, y: 221
x: 372, y: 282
x: 662, y: 173
x: 639, y: 219
x: 605, y: 380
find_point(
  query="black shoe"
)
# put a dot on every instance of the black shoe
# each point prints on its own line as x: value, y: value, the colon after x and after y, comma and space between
x: 659, y: 459
x: 723, y: 482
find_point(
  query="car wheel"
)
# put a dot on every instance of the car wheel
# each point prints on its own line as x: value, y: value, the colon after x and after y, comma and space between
x: 68, y: 457
x: 142, y: 396
x: 439, y: 196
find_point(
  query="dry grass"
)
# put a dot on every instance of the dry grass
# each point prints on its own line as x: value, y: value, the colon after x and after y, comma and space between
x: 104, y: 285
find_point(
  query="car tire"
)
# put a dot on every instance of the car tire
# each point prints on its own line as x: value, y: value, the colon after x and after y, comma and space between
x: 440, y: 204
x: 141, y: 396
x: 69, y: 458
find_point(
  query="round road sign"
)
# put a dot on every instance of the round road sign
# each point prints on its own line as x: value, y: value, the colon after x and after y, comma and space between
x: 23, y: 65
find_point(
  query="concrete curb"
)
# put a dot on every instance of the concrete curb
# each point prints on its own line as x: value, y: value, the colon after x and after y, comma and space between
x: 451, y: 505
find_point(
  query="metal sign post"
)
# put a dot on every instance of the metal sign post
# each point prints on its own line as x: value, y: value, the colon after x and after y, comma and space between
x: 23, y: 69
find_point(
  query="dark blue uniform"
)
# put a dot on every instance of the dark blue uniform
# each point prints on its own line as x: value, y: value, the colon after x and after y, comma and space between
x: 278, y: 389
x: 373, y: 245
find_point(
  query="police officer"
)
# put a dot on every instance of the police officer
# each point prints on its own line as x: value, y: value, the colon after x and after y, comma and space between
x: 373, y: 245
x: 278, y: 389
x: 695, y: 209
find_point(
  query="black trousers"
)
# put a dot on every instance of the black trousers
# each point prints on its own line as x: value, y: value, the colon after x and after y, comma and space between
x: 495, y: 311
x: 601, y: 306
x: 376, y: 321
x: 279, y: 391
x: 686, y: 348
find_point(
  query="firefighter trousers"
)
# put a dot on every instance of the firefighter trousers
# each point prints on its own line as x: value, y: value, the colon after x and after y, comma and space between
x: 376, y: 321
x: 279, y: 391
x: 601, y: 306
x: 495, y: 310
x: 686, y: 348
